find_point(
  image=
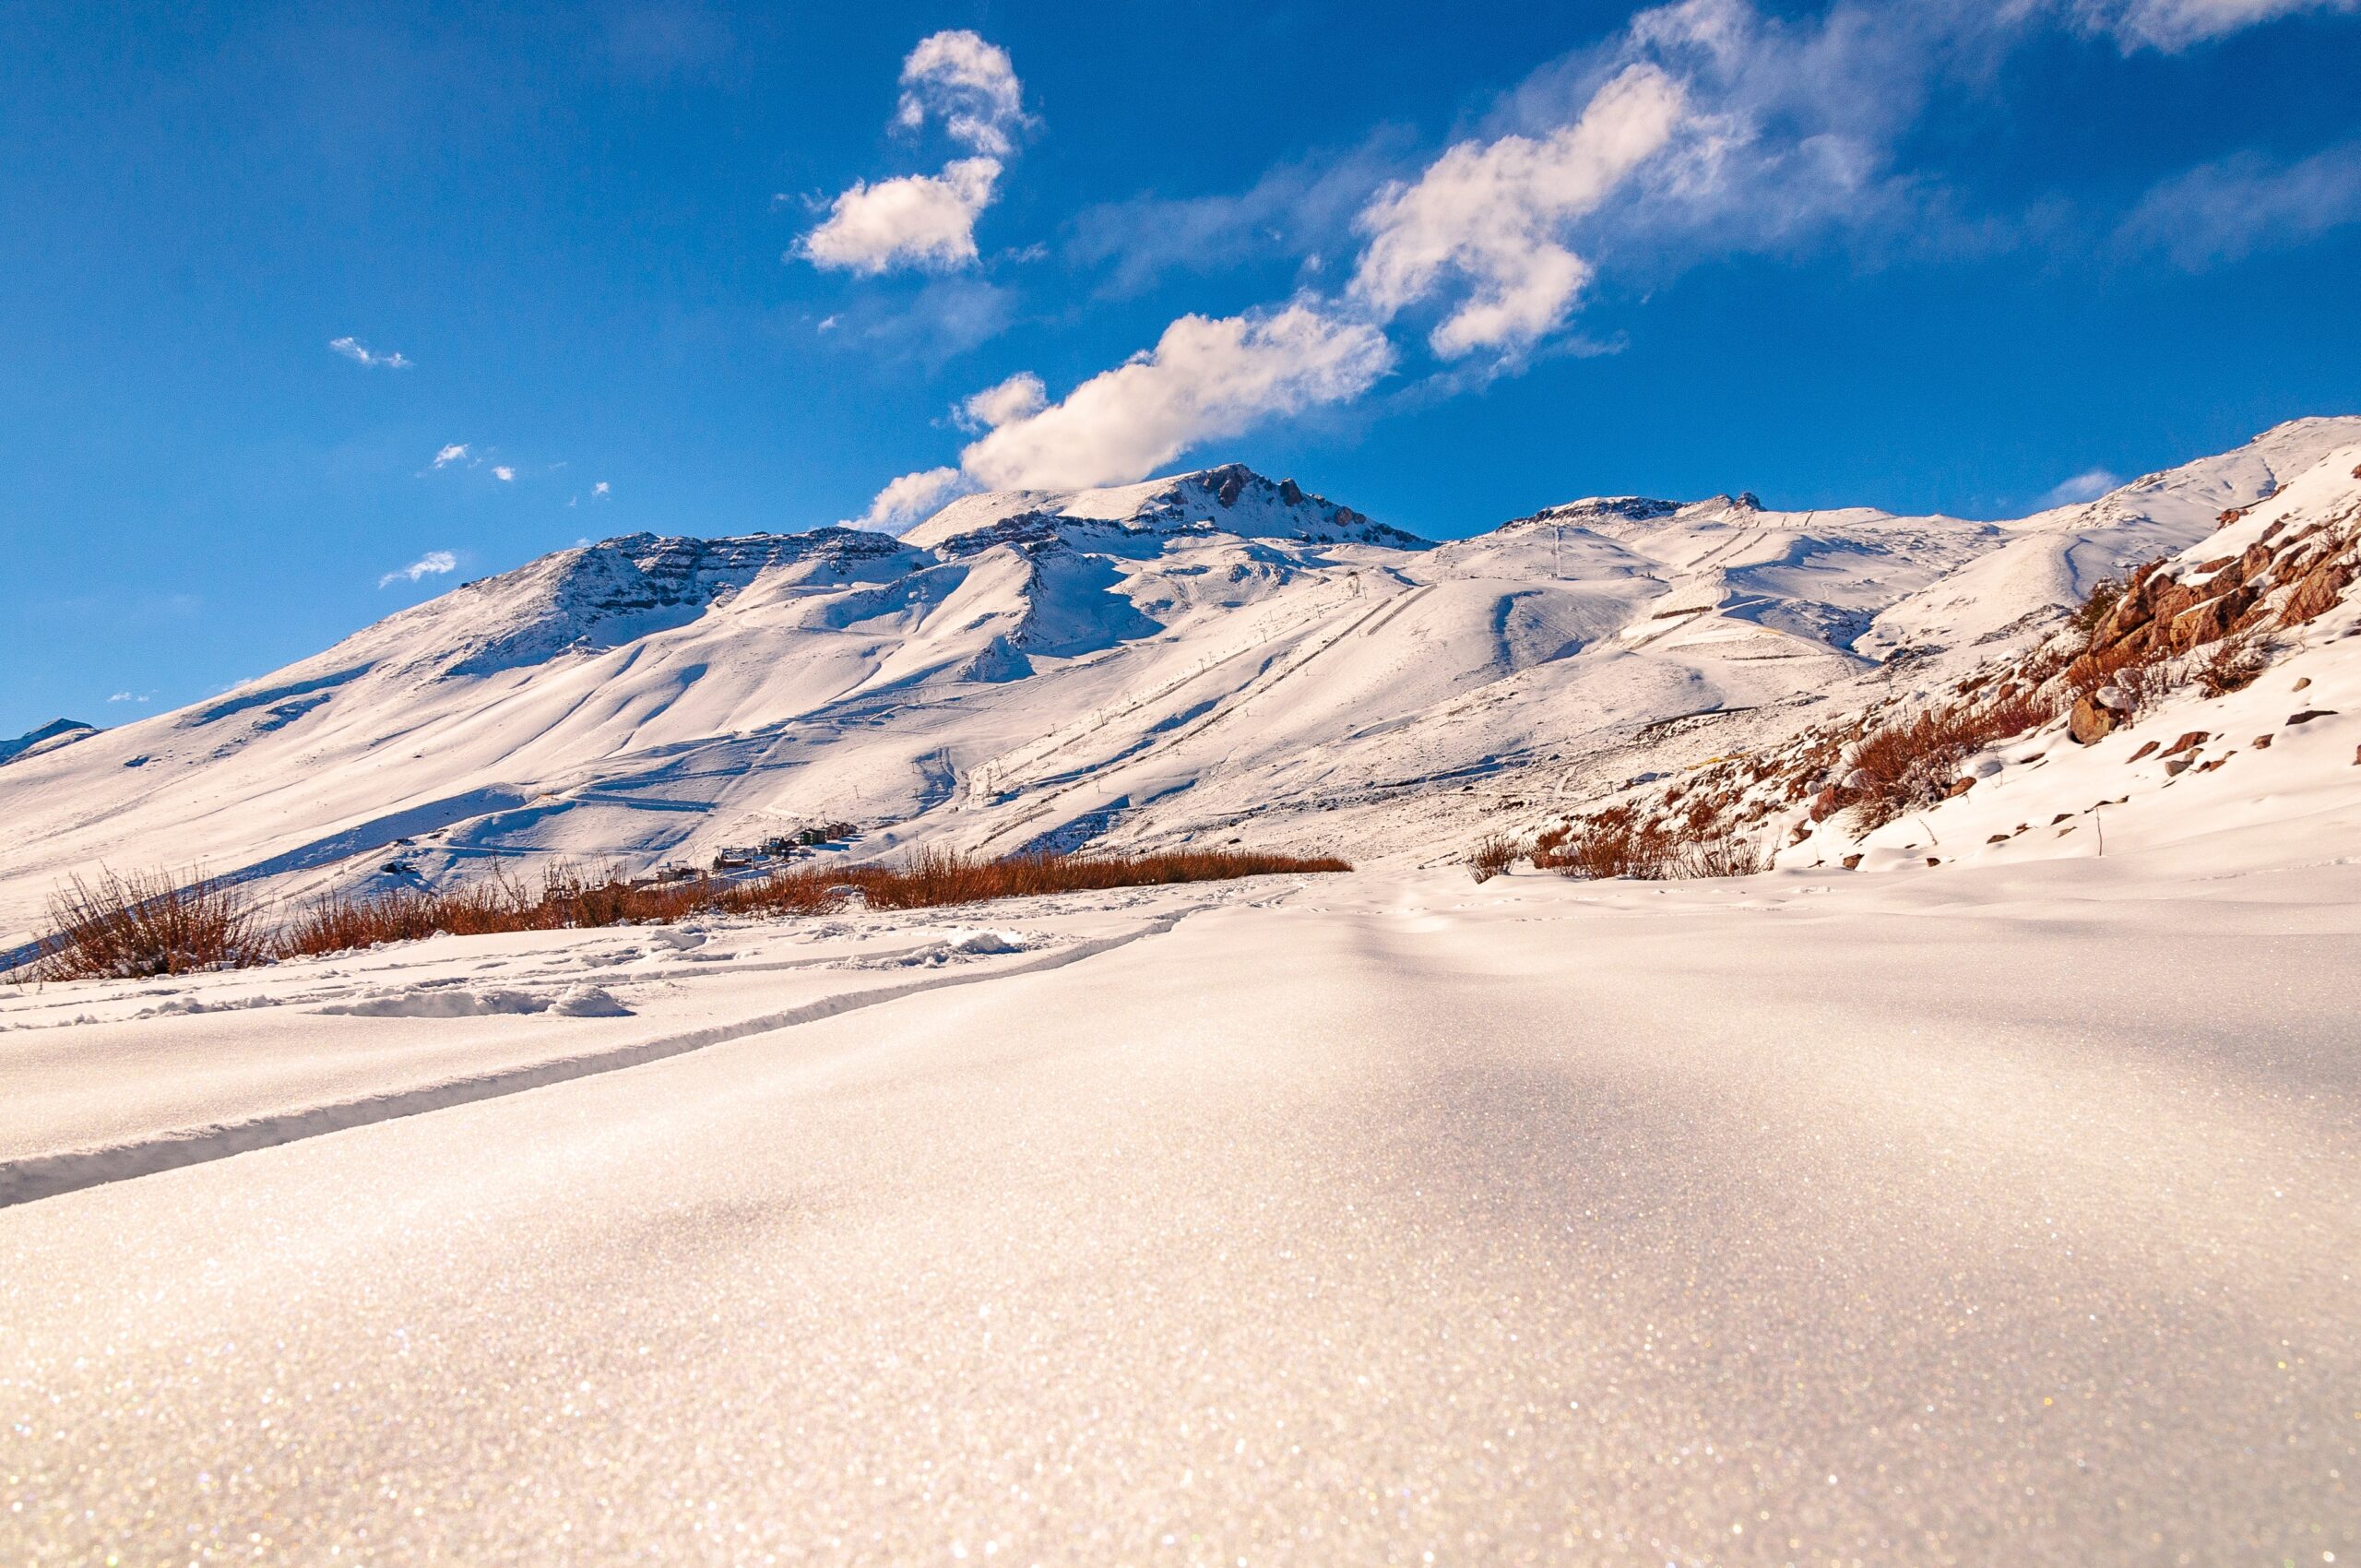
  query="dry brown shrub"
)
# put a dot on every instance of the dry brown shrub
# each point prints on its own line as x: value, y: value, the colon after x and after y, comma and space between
x: 1727, y: 854
x: 152, y: 923
x: 1613, y: 843
x: 1492, y: 854
x: 147, y: 923
x: 1915, y: 762
x: 932, y: 877
x: 2233, y: 665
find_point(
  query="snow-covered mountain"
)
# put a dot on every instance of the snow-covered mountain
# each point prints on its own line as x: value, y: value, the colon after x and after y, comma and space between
x: 50, y: 737
x: 1210, y: 656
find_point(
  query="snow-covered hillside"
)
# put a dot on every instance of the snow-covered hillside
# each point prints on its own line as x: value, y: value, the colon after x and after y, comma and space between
x: 1210, y: 657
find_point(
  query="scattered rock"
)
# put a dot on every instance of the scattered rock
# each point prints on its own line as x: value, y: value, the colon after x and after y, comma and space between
x: 2301, y: 682
x: 1961, y: 787
x: 2177, y: 767
x: 2143, y: 751
x: 1933, y: 861
x: 2262, y: 743
x: 2189, y: 742
x: 1852, y: 862
x: 2310, y: 714
x: 1997, y: 838
x: 2091, y: 721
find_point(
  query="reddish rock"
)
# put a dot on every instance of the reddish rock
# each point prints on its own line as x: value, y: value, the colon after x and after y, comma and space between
x: 2316, y: 593
x: 1851, y: 862
x: 2189, y: 741
x: 2143, y: 751
x: 1961, y: 787
x: 2091, y: 723
x: 2262, y: 743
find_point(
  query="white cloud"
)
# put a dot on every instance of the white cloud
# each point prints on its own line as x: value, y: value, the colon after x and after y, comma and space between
x: 2086, y: 486
x: 1493, y: 216
x: 503, y: 474
x: 455, y: 452
x: 2222, y: 211
x: 1205, y: 379
x: 1020, y: 396
x: 966, y: 83
x: 2173, y: 25
x: 130, y: 697
x: 601, y: 489
x: 433, y: 564
x: 925, y: 220
x: 350, y: 349
x: 912, y: 496
x: 929, y: 220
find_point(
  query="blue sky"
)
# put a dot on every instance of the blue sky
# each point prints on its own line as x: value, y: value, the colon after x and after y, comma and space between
x: 708, y: 268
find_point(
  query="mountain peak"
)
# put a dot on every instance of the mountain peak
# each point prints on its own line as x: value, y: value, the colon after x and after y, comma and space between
x: 50, y: 737
x: 1229, y: 499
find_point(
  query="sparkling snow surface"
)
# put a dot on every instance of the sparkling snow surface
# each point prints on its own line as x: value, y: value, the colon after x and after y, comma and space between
x: 2002, y: 1214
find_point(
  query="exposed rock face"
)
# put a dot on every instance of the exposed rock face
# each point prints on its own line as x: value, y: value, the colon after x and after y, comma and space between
x: 2316, y: 592
x: 599, y: 594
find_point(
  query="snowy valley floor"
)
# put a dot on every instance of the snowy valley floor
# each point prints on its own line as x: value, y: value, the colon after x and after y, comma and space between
x: 1972, y: 1215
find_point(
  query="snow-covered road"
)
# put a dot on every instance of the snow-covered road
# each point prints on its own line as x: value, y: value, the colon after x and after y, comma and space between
x: 2007, y: 1216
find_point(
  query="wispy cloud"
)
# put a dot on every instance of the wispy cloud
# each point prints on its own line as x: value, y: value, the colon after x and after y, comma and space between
x: 600, y: 490
x: 2173, y: 25
x: 928, y: 221
x: 969, y: 85
x: 503, y: 474
x: 131, y: 697
x: 454, y: 453
x: 2086, y: 486
x: 433, y: 564
x: 1488, y: 220
x: 1298, y: 209
x: 2221, y: 211
x: 352, y: 349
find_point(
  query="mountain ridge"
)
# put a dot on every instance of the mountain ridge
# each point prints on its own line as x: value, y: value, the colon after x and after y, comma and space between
x: 1157, y: 663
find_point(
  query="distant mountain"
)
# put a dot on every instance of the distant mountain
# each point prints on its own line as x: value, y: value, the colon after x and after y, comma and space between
x: 1212, y: 656
x: 58, y: 732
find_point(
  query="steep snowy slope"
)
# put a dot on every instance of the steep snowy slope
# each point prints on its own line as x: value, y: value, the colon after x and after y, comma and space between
x: 1213, y: 654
